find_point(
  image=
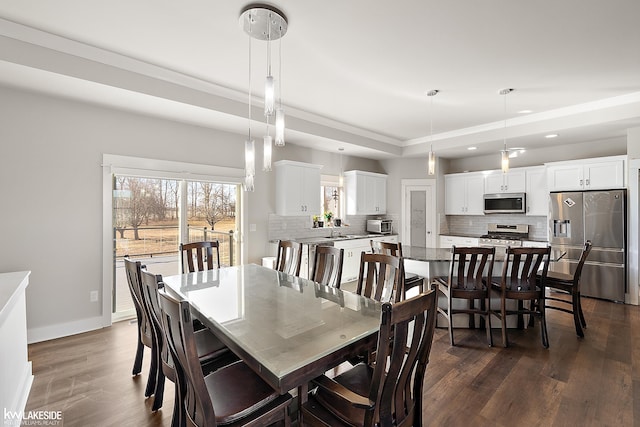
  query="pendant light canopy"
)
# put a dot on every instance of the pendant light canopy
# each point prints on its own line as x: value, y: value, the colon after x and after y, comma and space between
x: 267, y: 23
x: 431, y: 168
x: 504, y: 154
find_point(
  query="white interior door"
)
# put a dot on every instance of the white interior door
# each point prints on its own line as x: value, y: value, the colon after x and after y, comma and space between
x: 418, y: 213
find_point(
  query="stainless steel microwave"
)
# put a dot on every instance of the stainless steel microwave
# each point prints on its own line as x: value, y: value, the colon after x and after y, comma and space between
x: 379, y: 226
x: 505, y: 203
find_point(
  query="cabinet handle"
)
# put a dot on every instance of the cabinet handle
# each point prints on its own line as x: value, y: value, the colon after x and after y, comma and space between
x: 587, y: 183
x: 581, y: 181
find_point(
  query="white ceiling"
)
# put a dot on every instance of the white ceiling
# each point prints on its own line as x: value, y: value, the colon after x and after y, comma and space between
x: 355, y: 72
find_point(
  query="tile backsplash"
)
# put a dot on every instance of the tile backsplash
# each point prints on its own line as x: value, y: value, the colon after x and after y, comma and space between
x: 301, y: 227
x: 477, y: 225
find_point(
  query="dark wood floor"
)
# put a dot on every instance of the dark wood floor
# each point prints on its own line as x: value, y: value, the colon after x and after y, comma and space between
x: 593, y: 381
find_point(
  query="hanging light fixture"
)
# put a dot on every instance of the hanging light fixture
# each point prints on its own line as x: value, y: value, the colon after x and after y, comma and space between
x: 266, y: 23
x: 505, y: 152
x: 280, y: 111
x: 431, y: 169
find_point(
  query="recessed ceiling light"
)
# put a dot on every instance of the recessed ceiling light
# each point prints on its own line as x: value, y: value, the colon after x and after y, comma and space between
x: 472, y: 148
x: 551, y: 135
x: 525, y: 111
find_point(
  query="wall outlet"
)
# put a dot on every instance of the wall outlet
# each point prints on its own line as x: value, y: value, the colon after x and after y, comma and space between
x: 252, y: 227
x: 93, y: 296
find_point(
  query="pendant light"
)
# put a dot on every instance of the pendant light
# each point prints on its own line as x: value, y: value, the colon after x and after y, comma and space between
x: 263, y: 22
x: 505, y: 152
x: 431, y: 169
x: 280, y: 111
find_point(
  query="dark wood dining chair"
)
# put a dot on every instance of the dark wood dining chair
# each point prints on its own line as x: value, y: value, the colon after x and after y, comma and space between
x: 470, y: 274
x: 133, y: 271
x: 569, y: 283
x: 289, y: 257
x: 524, y: 276
x: 232, y: 395
x: 202, y: 253
x: 389, y: 248
x: 212, y: 353
x: 327, y: 266
x: 381, y: 277
x: 389, y: 392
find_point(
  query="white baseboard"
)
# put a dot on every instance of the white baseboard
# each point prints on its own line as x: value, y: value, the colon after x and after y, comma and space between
x: 60, y: 330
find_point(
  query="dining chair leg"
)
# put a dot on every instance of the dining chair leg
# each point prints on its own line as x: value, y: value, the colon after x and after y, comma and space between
x: 582, y: 321
x: 487, y: 321
x: 137, y: 363
x: 153, y: 372
x: 158, y: 395
x: 576, y: 315
x: 503, y: 318
x: 543, y: 326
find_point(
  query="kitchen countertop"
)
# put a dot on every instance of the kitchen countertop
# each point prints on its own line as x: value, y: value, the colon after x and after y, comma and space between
x: 328, y: 240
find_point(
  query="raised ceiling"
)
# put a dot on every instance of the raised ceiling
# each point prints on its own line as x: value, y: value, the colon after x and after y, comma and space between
x: 355, y: 73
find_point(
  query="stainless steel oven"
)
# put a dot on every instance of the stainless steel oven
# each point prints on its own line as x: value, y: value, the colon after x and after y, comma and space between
x: 502, y: 236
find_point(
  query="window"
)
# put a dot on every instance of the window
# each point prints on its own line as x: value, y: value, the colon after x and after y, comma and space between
x: 331, y: 194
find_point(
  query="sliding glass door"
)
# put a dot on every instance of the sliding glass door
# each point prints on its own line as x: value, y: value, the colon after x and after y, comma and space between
x: 152, y: 216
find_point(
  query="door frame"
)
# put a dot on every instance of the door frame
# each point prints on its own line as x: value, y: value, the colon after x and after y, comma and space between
x: 407, y: 184
x: 633, y: 233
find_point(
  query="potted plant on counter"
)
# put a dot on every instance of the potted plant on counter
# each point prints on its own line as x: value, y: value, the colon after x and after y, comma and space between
x: 328, y: 215
x: 316, y: 219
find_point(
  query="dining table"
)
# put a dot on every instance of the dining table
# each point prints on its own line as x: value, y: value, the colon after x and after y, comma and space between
x: 289, y: 330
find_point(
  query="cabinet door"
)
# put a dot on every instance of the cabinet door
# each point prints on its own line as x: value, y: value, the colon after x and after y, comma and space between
x: 455, y: 194
x: 297, y: 189
x: 380, y: 194
x: 537, y: 194
x: 604, y: 175
x: 565, y: 177
x: 515, y: 181
x: 494, y: 182
x: 351, y: 261
x: 475, y: 195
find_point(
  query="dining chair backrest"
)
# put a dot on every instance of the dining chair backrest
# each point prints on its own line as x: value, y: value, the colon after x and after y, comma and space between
x: 471, y: 268
x: 386, y: 248
x: 583, y: 258
x: 398, y: 376
x: 151, y: 284
x: 289, y: 257
x: 133, y: 270
x: 202, y: 253
x: 388, y: 392
x: 178, y: 327
x: 327, y: 266
x: 525, y: 268
x: 381, y: 277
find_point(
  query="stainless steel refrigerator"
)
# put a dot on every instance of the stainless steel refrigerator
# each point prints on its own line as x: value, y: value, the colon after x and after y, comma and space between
x: 599, y: 216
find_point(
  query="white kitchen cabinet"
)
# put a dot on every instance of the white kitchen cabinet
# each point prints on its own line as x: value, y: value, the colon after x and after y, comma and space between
x: 536, y: 190
x: 297, y: 188
x: 366, y: 193
x: 464, y: 194
x: 386, y: 238
x: 589, y: 174
x: 513, y: 181
x: 449, y: 241
x: 351, y: 261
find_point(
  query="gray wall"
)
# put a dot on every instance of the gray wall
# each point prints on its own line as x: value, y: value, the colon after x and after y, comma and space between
x: 50, y: 170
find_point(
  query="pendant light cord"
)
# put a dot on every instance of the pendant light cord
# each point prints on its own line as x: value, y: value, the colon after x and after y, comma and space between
x: 250, y: 37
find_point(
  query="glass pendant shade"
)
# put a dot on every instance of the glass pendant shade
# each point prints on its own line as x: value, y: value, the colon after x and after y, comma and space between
x: 432, y: 163
x: 279, y: 127
x: 249, y: 157
x: 266, y: 165
x: 248, y: 183
x: 505, y: 161
x: 269, y: 96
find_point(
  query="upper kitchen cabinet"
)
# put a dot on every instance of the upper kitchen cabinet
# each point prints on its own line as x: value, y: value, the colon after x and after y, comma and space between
x: 464, y: 194
x: 513, y: 181
x: 366, y: 193
x: 297, y: 188
x: 537, y: 193
x: 602, y: 173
